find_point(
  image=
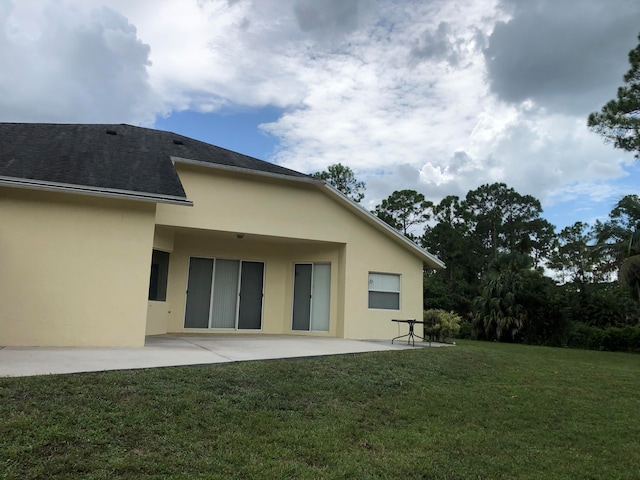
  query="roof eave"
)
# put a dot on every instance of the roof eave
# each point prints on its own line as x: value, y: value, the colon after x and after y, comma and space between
x: 92, y: 191
x: 230, y: 168
x: 427, y: 257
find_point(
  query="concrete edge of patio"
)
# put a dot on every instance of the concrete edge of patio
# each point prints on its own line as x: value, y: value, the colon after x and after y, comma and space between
x: 179, y: 350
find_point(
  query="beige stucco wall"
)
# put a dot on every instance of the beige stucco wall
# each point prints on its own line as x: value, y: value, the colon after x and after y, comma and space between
x: 163, y: 239
x: 272, y: 215
x: 158, y: 312
x: 74, y: 270
x: 157, y: 318
x: 376, y: 323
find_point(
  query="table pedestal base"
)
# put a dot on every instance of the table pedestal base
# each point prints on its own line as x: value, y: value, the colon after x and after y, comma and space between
x: 412, y: 336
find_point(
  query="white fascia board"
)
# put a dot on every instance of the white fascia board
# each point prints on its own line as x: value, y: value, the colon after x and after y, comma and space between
x: 92, y: 191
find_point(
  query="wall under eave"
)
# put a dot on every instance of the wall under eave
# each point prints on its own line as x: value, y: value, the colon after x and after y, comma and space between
x: 158, y: 312
x: 74, y: 269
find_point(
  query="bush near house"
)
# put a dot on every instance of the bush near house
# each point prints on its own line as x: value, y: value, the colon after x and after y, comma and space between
x: 440, y: 324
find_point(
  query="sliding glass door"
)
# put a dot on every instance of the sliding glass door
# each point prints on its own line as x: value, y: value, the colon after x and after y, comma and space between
x: 311, y: 297
x: 250, y: 297
x: 224, y: 298
x: 224, y: 294
x: 199, y: 293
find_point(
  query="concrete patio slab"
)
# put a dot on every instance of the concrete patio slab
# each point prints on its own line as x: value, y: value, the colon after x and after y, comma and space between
x: 174, y: 350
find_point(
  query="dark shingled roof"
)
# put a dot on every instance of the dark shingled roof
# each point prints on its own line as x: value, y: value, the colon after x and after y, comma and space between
x: 112, y: 157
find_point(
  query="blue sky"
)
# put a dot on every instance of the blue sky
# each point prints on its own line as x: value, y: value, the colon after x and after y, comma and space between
x: 439, y: 96
x: 237, y: 130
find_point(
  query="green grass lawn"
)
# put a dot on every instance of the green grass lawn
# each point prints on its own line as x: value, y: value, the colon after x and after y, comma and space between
x: 481, y: 410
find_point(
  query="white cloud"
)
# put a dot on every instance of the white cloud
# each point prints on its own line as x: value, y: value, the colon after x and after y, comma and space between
x: 375, y: 104
x: 435, y: 175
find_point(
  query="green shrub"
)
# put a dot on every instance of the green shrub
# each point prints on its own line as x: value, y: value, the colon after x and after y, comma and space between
x: 613, y: 339
x: 466, y: 330
x: 584, y: 336
x: 440, y: 324
x: 601, y: 305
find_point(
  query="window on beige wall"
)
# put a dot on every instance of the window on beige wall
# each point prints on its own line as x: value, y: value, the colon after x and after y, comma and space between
x: 384, y: 291
x: 159, y: 276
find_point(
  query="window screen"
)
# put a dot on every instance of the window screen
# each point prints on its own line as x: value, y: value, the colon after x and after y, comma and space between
x: 159, y: 276
x: 384, y: 291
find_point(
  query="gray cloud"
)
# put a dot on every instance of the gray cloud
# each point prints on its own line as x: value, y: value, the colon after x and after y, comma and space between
x: 331, y: 17
x: 399, y: 177
x: 77, y: 66
x: 438, y: 45
x: 460, y: 161
x: 565, y: 56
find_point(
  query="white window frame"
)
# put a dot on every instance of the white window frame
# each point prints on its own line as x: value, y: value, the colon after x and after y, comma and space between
x: 399, y: 291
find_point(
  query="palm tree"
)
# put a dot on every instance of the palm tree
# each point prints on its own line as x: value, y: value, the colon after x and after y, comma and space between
x: 497, y: 310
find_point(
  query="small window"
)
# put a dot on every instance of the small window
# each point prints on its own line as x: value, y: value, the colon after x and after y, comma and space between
x: 384, y: 291
x: 159, y: 276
